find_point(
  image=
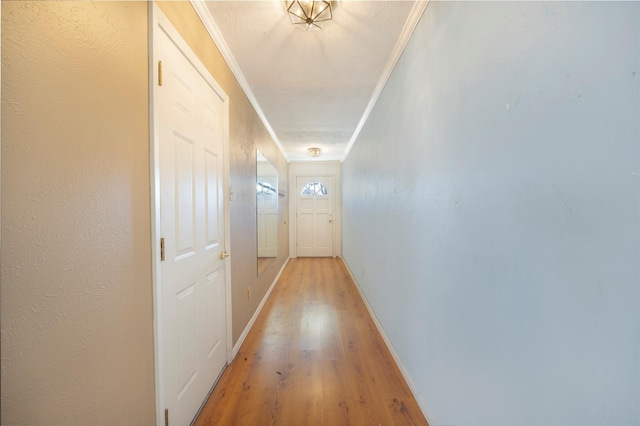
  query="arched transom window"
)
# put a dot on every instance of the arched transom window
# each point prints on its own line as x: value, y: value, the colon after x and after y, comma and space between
x: 314, y: 188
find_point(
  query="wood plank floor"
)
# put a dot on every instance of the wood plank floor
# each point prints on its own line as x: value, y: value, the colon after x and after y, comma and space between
x: 313, y: 357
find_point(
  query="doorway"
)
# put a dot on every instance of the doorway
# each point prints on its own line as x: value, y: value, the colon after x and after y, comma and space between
x: 315, y: 216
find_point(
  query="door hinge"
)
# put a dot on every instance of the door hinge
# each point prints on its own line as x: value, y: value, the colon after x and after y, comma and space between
x: 159, y: 73
x: 161, y: 249
x: 166, y: 417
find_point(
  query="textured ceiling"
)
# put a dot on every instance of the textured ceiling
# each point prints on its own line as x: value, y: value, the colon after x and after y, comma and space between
x: 313, y: 87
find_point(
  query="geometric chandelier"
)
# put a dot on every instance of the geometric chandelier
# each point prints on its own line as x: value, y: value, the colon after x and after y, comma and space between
x: 314, y: 152
x: 309, y: 15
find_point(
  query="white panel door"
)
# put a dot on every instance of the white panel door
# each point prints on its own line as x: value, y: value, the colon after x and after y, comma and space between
x: 191, y: 122
x: 314, y: 216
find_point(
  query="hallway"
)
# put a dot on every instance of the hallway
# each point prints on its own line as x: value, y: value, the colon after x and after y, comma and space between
x: 486, y: 204
x: 313, y: 357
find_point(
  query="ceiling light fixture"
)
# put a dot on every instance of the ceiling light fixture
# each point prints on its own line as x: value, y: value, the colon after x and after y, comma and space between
x: 314, y: 152
x: 309, y: 14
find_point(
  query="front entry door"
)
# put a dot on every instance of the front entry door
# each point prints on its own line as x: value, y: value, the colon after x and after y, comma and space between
x: 314, y: 216
x: 191, y: 130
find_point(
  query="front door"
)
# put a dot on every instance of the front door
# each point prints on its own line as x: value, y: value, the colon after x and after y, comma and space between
x: 191, y: 129
x: 314, y: 216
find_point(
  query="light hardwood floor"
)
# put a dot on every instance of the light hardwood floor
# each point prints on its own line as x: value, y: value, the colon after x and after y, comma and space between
x: 313, y: 357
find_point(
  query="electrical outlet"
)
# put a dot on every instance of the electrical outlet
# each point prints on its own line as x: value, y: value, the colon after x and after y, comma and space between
x: 249, y: 293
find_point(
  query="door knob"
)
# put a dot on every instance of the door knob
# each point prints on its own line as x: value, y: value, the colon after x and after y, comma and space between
x: 224, y: 254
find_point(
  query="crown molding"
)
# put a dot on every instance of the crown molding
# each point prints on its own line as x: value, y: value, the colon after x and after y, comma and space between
x: 412, y: 20
x: 213, y: 30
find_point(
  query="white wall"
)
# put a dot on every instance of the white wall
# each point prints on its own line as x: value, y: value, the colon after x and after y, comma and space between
x: 491, y: 212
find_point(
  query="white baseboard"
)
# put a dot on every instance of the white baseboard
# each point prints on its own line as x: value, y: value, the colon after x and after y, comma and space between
x: 243, y: 336
x: 394, y: 354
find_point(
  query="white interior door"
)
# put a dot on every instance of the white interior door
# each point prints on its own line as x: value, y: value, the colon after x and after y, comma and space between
x: 191, y: 129
x: 314, y: 216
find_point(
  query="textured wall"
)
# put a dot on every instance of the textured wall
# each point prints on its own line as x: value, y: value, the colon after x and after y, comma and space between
x: 246, y: 134
x: 491, y: 212
x: 76, y: 264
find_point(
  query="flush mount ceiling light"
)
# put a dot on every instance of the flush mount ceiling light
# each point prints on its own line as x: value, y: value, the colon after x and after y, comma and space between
x: 309, y: 15
x: 314, y: 152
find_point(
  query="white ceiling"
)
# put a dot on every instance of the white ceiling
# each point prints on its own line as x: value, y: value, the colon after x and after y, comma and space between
x: 312, y: 88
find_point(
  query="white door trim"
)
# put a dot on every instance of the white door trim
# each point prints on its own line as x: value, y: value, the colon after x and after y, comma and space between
x: 332, y: 196
x: 316, y: 168
x: 159, y: 22
x: 294, y: 191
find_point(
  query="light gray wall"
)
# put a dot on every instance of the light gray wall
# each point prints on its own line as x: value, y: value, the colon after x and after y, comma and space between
x: 491, y: 212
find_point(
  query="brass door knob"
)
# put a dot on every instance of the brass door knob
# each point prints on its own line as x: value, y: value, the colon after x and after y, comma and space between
x: 224, y: 254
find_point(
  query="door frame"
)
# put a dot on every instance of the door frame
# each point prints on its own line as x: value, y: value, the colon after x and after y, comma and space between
x: 315, y: 169
x: 333, y: 208
x: 159, y: 22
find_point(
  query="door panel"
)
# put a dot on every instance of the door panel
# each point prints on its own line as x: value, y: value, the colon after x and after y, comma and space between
x: 305, y: 237
x: 323, y: 231
x: 215, y: 295
x: 186, y: 307
x: 184, y: 175
x: 211, y: 190
x: 271, y: 233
